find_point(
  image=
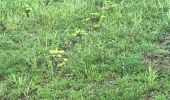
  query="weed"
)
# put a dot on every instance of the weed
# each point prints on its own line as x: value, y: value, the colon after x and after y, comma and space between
x: 151, y: 77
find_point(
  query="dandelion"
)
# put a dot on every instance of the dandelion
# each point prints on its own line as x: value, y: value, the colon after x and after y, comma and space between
x: 87, y: 19
x: 54, y: 51
x: 102, y: 17
x: 59, y: 56
x: 96, y: 26
x: 95, y: 14
x: 61, y: 64
x: 61, y: 51
x: 78, y: 31
x: 65, y: 59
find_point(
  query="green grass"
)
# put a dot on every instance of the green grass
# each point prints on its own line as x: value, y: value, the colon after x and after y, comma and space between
x: 85, y: 49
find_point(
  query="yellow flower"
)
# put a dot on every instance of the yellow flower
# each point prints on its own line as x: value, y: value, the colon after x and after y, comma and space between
x: 87, y: 19
x: 56, y: 51
x: 61, y: 51
x: 61, y: 64
x: 65, y: 59
x: 96, y: 26
x: 59, y: 55
x: 78, y: 31
x: 102, y: 16
x: 94, y: 14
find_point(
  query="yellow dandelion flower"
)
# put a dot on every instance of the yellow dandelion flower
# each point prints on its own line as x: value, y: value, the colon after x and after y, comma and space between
x: 61, y: 51
x: 78, y: 31
x: 65, y: 59
x: 94, y: 14
x: 53, y: 51
x: 87, y: 19
x: 61, y: 64
x: 59, y: 55
x: 96, y: 26
x: 102, y: 16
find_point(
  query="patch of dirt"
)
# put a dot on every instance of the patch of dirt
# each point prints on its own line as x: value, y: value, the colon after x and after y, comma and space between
x: 164, y: 38
x: 157, y: 60
x: 160, y: 57
x: 2, y: 76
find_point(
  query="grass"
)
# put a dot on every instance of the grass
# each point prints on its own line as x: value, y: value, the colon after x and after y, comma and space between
x: 84, y: 49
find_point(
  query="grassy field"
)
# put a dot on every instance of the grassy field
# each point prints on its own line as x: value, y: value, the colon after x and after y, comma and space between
x: 85, y: 49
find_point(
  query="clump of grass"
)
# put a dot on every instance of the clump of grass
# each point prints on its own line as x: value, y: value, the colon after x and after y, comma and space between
x: 151, y: 77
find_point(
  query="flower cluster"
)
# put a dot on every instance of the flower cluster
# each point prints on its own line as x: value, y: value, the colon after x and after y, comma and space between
x: 96, y: 19
x: 108, y: 6
x: 58, y: 58
x: 79, y: 32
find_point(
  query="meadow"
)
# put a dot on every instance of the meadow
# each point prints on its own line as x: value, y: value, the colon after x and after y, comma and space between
x: 85, y: 49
